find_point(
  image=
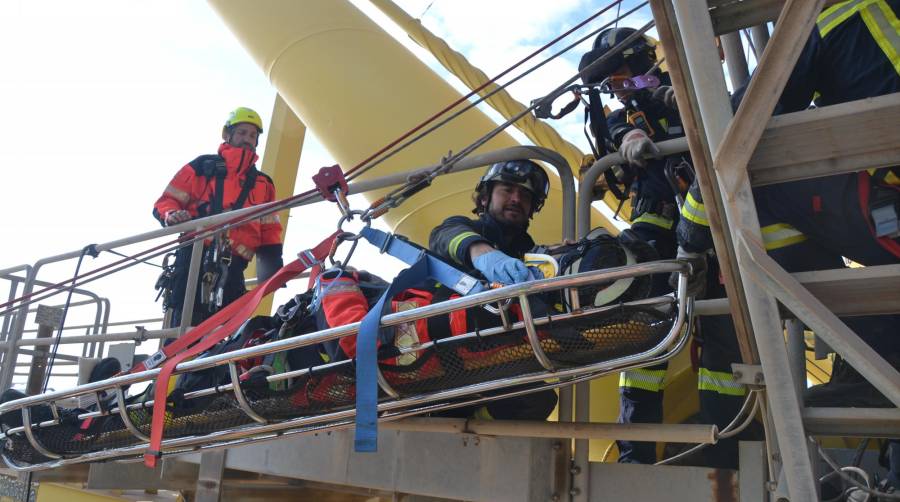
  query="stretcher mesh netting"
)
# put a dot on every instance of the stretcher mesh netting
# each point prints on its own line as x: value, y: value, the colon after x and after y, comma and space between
x: 450, y: 363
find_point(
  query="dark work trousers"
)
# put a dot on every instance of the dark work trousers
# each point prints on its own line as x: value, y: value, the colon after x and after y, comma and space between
x: 641, y: 390
x: 234, y: 287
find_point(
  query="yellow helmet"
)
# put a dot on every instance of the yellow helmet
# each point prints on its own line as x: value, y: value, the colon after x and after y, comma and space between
x: 243, y: 115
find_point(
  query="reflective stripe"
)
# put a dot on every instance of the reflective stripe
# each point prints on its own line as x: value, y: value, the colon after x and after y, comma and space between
x: 694, y: 211
x: 270, y: 219
x: 653, y: 219
x: 179, y: 195
x: 720, y: 382
x: 838, y: 13
x: 781, y: 235
x: 242, y: 251
x: 456, y: 241
x: 652, y: 380
x: 885, y: 29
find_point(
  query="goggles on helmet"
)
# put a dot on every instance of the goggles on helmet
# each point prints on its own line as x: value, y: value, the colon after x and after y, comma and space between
x: 524, y: 173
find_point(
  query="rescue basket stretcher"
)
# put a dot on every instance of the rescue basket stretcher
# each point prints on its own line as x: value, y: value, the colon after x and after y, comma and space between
x: 513, y: 359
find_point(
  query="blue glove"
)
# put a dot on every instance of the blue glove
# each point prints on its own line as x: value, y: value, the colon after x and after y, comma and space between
x: 497, y: 266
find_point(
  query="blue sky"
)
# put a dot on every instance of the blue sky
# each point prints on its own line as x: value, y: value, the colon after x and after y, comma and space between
x: 105, y: 99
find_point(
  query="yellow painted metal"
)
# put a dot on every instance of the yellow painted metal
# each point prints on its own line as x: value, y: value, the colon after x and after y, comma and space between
x: 538, y: 131
x: 54, y: 492
x: 359, y: 89
x: 281, y: 161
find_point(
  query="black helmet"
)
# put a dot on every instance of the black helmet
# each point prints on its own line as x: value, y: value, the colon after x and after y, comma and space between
x: 522, y: 172
x: 640, y: 55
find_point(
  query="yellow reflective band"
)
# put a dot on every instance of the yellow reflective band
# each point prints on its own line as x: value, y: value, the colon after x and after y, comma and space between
x: 720, y: 382
x: 653, y: 219
x: 652, y: 380
x: 456, y: 241
x: 832, y: 17
x: 694, y: 211
x: 781, y: 235
x: 885, y: 29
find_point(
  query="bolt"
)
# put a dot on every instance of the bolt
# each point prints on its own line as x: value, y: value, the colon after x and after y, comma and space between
x: 554, y: 497
x: 737, y: 375
x: 776, y: 456
x: 771, y: 486
x: 758, y: 378
x: 575, y: 492
x: 575, y: 470
x: 556, y: 447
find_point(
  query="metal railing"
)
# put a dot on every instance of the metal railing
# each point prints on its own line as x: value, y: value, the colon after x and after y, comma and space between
x: 668, y: 346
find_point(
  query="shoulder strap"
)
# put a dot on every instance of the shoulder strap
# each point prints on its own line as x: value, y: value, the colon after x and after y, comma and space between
x: 249, y: 182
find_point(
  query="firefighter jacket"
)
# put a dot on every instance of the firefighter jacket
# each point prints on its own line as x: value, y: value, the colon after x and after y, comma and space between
x: 650, y: 190
x: 453, y: 238
x: 853, y: 53
x: 193, y: 189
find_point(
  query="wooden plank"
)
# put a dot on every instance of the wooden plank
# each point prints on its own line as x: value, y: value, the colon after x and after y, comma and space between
x: 732, y: 15
x: 853, y: 422
x: 855, y: 291
x: 831, y: 140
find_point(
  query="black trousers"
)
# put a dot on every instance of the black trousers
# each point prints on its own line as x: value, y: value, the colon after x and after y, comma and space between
x: 234, y: 287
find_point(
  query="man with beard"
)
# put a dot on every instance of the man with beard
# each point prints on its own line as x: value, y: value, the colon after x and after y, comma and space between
x: 493, y: 246
x: 212, y: 184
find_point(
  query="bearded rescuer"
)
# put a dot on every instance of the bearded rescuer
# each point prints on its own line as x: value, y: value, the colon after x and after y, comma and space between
x: 211, y: 184
x: 494, y: 245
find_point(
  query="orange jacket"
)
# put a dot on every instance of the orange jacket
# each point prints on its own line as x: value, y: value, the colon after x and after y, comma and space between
x: 192, y: 190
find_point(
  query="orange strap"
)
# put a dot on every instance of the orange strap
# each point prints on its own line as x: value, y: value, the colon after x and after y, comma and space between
x: 205, y: 335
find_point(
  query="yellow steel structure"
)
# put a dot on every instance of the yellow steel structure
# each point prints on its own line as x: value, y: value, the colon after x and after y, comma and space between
x: 281, y: 161
x: 539, y: 132
x: 359, y: 89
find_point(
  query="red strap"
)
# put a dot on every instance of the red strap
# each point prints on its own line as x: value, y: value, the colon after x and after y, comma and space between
x: 228, y: 320
x: 864, y: 187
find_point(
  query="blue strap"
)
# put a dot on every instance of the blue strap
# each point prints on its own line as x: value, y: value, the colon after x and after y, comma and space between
x: 409, y: 253
x: 366, y: 439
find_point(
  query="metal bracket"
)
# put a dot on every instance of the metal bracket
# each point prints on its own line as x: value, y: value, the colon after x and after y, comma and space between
x: 748, y: 374
x: 561, y: 470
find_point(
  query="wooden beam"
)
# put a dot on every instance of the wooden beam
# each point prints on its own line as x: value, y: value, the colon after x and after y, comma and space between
x: 853, y: 422
x: 830, y: 140
x: 822, y: 321
x: 732, y: 15
x: 794, y: 25
x: 667, y: 28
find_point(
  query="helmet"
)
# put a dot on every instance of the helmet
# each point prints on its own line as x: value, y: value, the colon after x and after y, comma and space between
x: 640, y: 55
x: 242, y: 115
x: 522, y: 172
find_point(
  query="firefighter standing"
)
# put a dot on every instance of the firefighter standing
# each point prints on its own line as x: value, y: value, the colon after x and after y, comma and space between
x: 811, y: 224
x: 211, y: 184
x: 645, y: 118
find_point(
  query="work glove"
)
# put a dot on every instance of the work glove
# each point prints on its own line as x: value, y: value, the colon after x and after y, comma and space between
x: 666, y: 95
x: 635, y: 145
x: 176, y: 216
x: 497, y: 266
x: 696, y: 286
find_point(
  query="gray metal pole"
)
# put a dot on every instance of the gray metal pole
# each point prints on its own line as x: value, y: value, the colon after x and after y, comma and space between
x: 760, y: 37
x: 735, y: 59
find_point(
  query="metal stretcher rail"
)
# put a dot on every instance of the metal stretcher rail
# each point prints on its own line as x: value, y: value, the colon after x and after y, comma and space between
x: 667, y: 346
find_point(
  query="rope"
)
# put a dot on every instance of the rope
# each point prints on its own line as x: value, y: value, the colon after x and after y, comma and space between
x: 360, y: 168
x: 88, y: 250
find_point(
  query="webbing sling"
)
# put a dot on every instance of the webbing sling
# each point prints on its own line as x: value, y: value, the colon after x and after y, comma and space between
x: 212, y: 331
x: 423, y: 266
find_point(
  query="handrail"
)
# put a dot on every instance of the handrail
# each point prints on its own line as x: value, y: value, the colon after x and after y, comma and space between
x: 670, y: 345
x: 486, y: 297
x: 590, y: 177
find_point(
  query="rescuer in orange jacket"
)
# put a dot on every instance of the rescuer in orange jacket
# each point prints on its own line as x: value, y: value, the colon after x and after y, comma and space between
x: 211, y: 184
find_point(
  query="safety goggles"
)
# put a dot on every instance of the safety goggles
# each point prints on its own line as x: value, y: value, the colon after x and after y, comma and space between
x: 524, y: 173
